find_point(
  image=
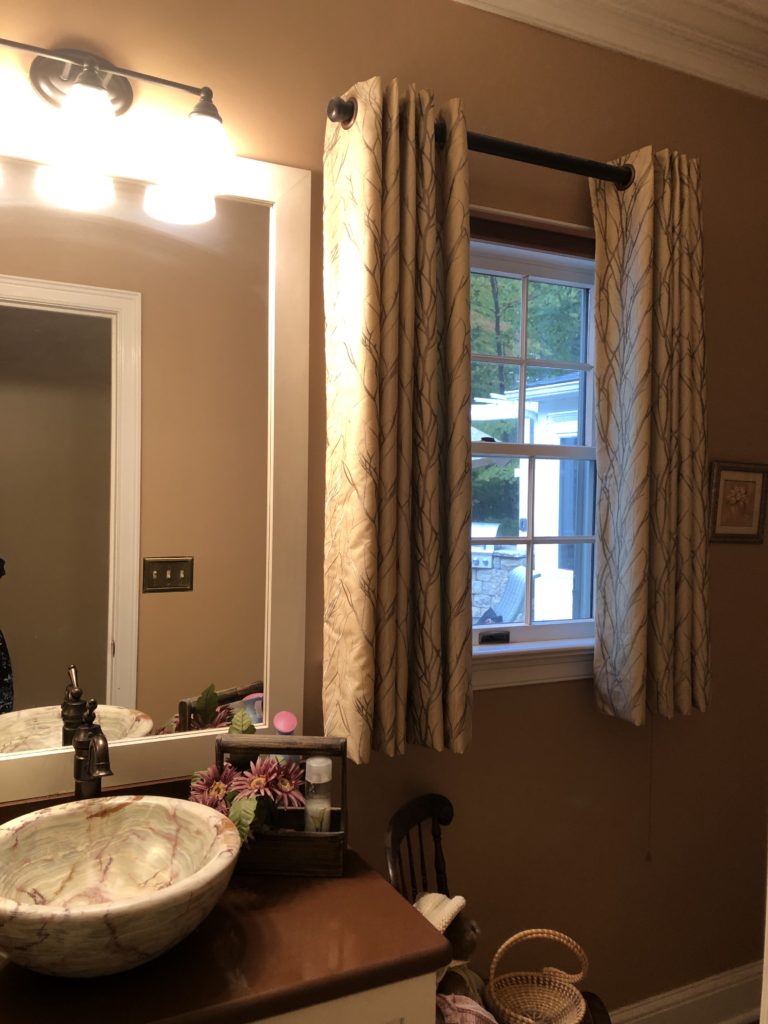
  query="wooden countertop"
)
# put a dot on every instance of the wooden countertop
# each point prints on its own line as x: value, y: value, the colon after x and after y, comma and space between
x: 271, y: 945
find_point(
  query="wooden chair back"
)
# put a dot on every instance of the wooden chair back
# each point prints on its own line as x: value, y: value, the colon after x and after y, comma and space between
x: 187, y: 704
x: 414, y: 846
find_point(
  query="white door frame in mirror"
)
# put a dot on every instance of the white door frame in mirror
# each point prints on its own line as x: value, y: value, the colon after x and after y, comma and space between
x: 287, y: 193
x: 123, y: 310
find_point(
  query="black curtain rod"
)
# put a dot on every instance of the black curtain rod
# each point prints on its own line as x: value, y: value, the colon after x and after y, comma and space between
x: 622, y: 175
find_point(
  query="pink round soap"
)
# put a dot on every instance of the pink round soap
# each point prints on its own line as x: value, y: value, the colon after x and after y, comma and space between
x: 285, y: 722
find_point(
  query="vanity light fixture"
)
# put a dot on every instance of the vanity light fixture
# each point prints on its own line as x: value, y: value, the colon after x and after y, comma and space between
x: 90, y: 92
x: 186, y: 190
x: 74, y: 175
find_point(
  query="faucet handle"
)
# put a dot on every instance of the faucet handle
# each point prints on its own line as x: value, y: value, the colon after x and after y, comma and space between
x: 71, y: 708
x: 89, y: 715
x: 72, y: 673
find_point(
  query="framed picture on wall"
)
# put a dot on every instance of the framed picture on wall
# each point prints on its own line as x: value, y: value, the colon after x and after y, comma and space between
x: 738, y: 499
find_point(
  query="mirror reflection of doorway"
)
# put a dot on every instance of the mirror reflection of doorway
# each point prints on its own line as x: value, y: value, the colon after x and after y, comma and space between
x: 55, y: 455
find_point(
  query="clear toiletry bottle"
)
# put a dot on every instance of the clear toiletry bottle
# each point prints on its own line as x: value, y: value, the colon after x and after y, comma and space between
x: 318, y: 772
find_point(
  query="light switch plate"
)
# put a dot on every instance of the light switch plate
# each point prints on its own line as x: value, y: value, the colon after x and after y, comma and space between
x: 162, y: 575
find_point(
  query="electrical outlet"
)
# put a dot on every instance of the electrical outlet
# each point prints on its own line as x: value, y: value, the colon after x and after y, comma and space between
x: 164, y: 574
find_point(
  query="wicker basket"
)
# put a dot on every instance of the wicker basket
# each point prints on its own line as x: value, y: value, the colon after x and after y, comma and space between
x: 548, y: 996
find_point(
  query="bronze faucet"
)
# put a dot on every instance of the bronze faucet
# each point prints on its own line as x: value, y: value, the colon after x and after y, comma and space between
x: 91, y: 755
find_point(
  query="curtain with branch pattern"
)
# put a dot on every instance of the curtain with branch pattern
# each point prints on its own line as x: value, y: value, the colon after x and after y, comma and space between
x: 397, y: 629
x: 651, y: 606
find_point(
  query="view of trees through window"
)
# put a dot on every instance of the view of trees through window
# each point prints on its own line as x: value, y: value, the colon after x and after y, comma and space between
x: 532, y: 461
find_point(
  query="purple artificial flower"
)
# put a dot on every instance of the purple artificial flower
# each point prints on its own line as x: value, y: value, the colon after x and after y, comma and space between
x: 259, y: 781
x: 211, y: 787
x: 222, y: 716
x: 285, y: 788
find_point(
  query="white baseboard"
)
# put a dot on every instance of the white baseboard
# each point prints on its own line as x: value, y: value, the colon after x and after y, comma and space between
x: 732, y: 997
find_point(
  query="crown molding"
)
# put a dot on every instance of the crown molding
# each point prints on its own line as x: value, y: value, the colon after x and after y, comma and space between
x: 723, y: 41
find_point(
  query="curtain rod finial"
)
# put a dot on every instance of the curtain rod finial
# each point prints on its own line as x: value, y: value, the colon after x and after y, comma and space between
x: 629, y: 177
x: 342, y: 112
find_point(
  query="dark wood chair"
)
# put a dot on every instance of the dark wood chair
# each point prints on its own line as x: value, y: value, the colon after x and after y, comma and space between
x: 413, y: 863
x: 406, y: 839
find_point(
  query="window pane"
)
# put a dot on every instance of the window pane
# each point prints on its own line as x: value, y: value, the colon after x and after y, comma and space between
x: 554, y: 406
x: 499, y: 496
x: 498, y: 584
x: 555, y: 328
x: 562, y: 582
x: 495, y: 401
x: 564, y: 498
x: 495, y: 314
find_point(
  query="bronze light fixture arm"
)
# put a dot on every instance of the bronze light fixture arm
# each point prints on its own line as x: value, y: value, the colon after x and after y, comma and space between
x: 83, y: 60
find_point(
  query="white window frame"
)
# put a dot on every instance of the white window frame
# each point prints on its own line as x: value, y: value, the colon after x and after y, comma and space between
x: 552, y: 651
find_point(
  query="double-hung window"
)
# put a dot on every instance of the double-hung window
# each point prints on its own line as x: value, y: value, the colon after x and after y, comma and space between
x: 533, y: 456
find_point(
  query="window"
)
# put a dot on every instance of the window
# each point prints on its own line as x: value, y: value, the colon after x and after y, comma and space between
x: 533, y: 457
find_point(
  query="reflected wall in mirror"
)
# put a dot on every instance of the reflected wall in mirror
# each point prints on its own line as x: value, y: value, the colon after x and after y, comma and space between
x: 209, y: 423
x: 55, y: 467
x: 78, y: 556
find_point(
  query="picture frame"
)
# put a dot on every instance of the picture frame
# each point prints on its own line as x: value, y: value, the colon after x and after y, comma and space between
x: 738, y: 493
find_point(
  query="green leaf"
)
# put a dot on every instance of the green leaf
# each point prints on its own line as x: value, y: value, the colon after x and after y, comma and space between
x: 242, y: 812
x: 263, y: 821
x: 205, y: 705
x: 241, y: 723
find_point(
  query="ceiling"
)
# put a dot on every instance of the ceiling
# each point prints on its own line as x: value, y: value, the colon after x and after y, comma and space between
x: 725, y: 41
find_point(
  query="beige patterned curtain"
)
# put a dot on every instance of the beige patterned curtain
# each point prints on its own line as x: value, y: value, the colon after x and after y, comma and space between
x: 651, y: 609
x: 397, y: 633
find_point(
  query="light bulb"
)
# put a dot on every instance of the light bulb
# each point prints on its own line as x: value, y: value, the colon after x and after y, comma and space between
x: 88, y: 109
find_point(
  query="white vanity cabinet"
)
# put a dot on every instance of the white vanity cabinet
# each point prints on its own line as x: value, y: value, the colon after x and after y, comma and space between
x: 404, y: 1002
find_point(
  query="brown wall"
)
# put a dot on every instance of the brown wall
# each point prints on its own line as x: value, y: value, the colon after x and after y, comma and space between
x: 55, y: 390
x: 204, y: 423
x: 647, y: 844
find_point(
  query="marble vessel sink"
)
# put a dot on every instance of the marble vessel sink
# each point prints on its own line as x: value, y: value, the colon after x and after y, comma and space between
x: 99, y: 886
x: 35, y: 728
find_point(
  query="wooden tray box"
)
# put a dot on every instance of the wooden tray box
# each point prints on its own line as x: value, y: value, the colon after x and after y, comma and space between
x: 290, y: 850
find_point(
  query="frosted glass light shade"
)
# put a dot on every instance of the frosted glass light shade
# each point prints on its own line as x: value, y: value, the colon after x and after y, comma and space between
x: 193, y: 174
x: 174, y: 203
x: 74, y: 187
x: 74, y: 176
x: 208, y: 150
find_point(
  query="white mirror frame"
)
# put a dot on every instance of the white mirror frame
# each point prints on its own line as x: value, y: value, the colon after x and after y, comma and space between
x: 287, y: 192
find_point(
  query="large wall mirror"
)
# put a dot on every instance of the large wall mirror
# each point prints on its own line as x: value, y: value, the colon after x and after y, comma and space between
x: 153, y: 403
